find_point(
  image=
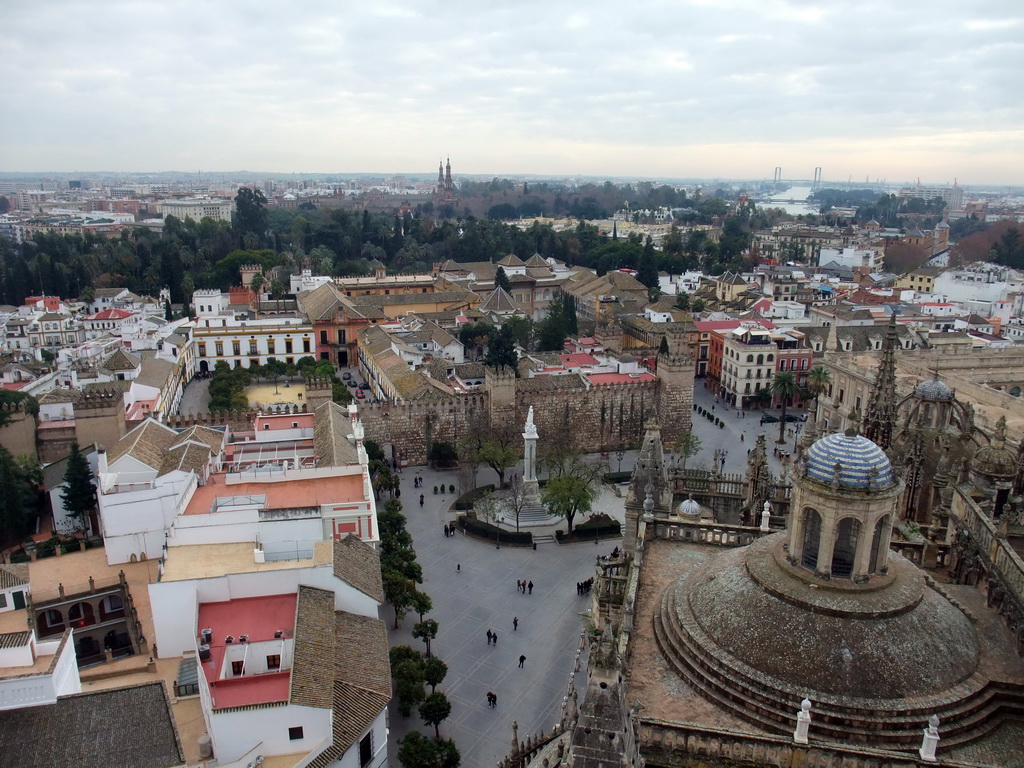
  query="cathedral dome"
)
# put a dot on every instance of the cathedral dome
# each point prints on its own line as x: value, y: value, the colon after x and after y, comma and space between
x: 862, y: 465
x: 995, y: 461
x: 934, y: 391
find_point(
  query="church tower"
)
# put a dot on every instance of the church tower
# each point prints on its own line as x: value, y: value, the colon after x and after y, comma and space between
x: 881, y: 411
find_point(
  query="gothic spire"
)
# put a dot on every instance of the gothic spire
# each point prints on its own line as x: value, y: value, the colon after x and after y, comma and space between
x: 881, y: 411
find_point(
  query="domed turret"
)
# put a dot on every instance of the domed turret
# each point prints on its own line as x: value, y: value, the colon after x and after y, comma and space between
x: 848, y: 461
x: 689, y: 508
x: 995, y: 461
x: 933, y: 391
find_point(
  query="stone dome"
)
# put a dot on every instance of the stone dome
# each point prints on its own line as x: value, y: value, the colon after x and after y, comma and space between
x: 751, y: 633
x: 996, y: 461
x: 933, y: 391
x: 626, y: 358
x: 862, y: 464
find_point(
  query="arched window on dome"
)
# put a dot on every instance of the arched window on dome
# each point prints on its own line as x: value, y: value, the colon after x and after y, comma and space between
x: 812, y: 539
x: 879, y: 545
x: 844, y: 552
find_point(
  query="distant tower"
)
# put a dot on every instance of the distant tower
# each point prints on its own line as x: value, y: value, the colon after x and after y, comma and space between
x: 440, y: 178
x: 817, y: 178
x: 881, y: 411
x: 778, y: 174
x: 448, y: 186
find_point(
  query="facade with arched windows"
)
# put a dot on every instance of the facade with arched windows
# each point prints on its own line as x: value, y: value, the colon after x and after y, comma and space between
x: 844, y: 500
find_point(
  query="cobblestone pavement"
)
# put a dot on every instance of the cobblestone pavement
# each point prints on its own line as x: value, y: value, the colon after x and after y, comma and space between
x: 196, y: 398
x: 473, y: 588
x: 728, y: 437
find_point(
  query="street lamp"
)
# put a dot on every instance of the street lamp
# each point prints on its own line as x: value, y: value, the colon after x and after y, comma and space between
x: 620, y: 455
x: 721, y: 460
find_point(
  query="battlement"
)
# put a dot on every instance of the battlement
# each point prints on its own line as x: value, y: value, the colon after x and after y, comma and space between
x: 18, y: 407
x: 206, y: 292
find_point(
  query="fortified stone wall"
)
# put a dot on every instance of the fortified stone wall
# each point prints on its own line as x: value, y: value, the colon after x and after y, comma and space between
x: 19, y: 436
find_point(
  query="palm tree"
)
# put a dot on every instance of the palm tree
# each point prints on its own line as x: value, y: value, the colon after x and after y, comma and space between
x: 783, y: 387
x: 818, y: 379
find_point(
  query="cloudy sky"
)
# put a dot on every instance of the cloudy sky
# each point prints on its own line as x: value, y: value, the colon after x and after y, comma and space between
x: 684, y: 88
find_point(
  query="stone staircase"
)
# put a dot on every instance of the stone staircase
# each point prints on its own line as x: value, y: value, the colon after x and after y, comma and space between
x: 968, y: 711
x: 544, y: 539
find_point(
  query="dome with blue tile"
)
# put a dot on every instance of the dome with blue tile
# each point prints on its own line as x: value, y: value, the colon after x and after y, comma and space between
x: 862, y: 465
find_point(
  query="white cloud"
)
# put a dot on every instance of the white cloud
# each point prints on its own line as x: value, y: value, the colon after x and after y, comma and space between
x: 668, y: 88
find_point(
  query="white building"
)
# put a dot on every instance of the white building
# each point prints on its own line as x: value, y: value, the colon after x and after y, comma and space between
x: 197, y: 209
x: 242, y: 343
x: 851, y: 257
x: 291, y: 657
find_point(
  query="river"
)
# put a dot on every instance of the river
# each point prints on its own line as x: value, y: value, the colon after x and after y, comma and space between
x: 798, y: 195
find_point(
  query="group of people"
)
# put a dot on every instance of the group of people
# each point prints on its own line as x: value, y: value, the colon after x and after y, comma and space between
x: 583, y: 587
x: 449, y: 530
x: 492, y: 639
x: 522, y: 585
x: 417, y: 482
x: 492, y: 699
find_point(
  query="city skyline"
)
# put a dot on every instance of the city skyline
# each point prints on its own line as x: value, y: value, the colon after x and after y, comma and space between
x: 670, y: 90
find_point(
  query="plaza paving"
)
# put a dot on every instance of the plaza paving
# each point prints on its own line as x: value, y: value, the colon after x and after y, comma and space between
x: 481, y: 596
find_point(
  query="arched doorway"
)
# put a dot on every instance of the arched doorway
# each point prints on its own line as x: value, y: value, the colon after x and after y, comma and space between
x: 204, y: 367
x: 51, y: 621
x: 812, y: 539
x: 845, y: 550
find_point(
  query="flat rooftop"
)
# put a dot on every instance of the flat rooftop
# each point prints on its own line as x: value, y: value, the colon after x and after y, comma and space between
x: 283, y: 494
x: 207, y: 561
x: 259, y: 618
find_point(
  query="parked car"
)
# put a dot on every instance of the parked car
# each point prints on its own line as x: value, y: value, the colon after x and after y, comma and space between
x: 769, y: 419
x: 351, y: 382
x: 360, y: 394
x: 791, y: 417
x: 346, y: 375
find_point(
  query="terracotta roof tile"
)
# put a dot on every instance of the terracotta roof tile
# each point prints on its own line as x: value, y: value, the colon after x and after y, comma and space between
x: 358, y: 564
x: 117, y: 728
x: 312, y: 679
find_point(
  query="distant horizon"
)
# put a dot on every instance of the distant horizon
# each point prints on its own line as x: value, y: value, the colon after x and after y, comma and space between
x: 248, y: 176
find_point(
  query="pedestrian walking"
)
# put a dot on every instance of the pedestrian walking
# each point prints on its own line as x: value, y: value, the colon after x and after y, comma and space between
x: 494, y: 700
x: 742, y: 437
x: 494, y: 637
x: 491, y: 699
x: 458, y: 567
x: 515, y: 623
x: 489, y: 636
x: 522, y: 660
x: 519, y: 586
x: 530, y: 585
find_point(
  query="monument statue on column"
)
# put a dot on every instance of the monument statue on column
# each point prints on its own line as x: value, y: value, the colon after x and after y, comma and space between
x: 530, y: 459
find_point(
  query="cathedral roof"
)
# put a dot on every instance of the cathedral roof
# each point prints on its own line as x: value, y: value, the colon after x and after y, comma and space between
x: 859, y: 463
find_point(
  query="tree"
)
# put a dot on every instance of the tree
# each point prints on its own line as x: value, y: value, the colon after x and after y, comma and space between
x: 426, y: 631
x: 688, y: 445
x: 521, y: 329
x: 683, y: 300
x: 553, y: 329
x: 784, y: 389
x: 499, y: 449
x: 17, y: 496
x: 501, y: 350
x: 501, y: 280
x: 168, y: 312
x: 79, y: 494
x: 818, y: 379
x: 421, y: 603
x: 409, y: 685
x: 434, y: 672
x: 516, y: 498
x: 250, y: 216
x: 417, y: 751
x: 568, y: 496
x: 435, y: 710
x: 647, y: 272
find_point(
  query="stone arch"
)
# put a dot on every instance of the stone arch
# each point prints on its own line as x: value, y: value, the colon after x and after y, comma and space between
x: 844, y: 550
x: 111, y: 607
x: 134, y: 558
x: 51, y: 620
x: 811, y: 538
x: 81, y: 614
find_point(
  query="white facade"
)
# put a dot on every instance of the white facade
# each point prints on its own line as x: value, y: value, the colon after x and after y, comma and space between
x: 32, y: 690
x: 197, y: 209
x: 242, y: 343
x: 851, y: 257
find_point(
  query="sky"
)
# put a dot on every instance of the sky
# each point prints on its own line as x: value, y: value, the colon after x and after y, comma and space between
x: 679, y: 89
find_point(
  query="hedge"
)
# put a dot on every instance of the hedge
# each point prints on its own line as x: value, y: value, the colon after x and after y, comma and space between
x: 618, y: 477
x: 597, y: 526
x: 493, y: 533
x: 466, y: 500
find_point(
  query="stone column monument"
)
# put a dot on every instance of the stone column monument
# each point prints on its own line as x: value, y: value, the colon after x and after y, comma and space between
x: 530, y: 437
